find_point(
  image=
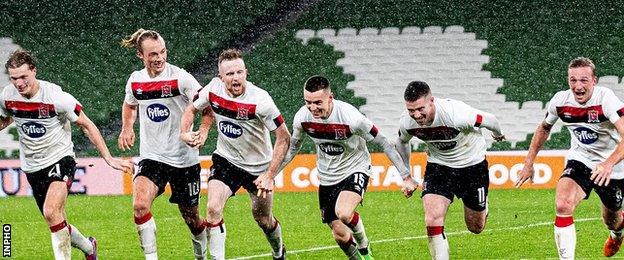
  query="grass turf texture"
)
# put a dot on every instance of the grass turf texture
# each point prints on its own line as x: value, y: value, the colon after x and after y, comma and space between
x: 519, y: 226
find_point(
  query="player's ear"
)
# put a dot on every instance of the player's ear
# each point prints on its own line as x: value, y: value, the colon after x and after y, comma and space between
x: 139, y: 54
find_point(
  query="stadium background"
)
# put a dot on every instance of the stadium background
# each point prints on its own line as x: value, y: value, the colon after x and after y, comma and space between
x: 529, y: 46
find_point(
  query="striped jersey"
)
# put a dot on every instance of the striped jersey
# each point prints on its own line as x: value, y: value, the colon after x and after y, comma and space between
x: 161, y: 101
x: 340, y: 141
x: 453, y: 139
x: 591, y: 125
x: 243, y: 124
x: 43, y: 123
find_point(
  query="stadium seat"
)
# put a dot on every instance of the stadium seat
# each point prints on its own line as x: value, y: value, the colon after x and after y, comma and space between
x: 448, y: 59
x: 8, y: 144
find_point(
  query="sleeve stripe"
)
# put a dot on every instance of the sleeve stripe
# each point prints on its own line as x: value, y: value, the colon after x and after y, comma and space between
x: 77, y: 109
x: 621, y: 112
x: 374, y: 131
x: 279, y: 120
x: 479, y: 120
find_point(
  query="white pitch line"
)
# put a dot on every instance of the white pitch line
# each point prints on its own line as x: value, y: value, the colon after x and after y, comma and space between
x: 320, y: 248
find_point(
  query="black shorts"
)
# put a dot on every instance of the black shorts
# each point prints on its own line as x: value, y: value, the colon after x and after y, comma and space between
x: 40, y: 181
x: 328, y: 195
x: 185, y: 182
x: 470, y: 184
x: 611, y: 195
x: 233, y: 176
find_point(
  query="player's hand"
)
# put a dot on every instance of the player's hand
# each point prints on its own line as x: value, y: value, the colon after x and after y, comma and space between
x: 499, y: 138
x: 265, y: 184
x: 525, y: 175
x: 126, y: 139
x: 121, y: 165
x: 408, y: 186
x: 192, y: 139
x: 202, y: 139
x: 602, y: 174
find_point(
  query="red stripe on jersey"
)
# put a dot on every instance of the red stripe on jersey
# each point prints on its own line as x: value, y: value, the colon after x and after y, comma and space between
x: 374, y: 131
x: 27, y: 106
x: 479, y: 120
x: 232, y: 109
x: 570, y: 114
x: 279, y: 120
x: 579, y: 111
x: 154, y: 85
x: 327, y: 131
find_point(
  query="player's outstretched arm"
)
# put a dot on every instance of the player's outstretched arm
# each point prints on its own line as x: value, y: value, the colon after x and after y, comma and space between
x: 128, y: 116
x: 5, y: 121
x: 207, y: 119
x: 187, y: 135
x: 539, y: 138
x: 602, y: 174
x: 265, y: 181
x: 490, y: 122
x: 89, y: 128
x: 409, y: 184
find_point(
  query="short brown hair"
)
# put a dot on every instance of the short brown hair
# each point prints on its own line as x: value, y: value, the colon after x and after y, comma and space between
x: 19, y: 58
x: 138, y: 37
x: 316, y: 83
x: 230, y: 54
x: 582, y: 62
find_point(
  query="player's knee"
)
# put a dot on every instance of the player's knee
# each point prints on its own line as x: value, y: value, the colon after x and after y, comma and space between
x: 50, y: 214
x: 344, y: 215
x: 476, y: 228
x: 340, y: 237
x: 434, y: 220
x: 564, y: 206
x: 214, y: 212
x: 140, y: 208
x: 265, y: 222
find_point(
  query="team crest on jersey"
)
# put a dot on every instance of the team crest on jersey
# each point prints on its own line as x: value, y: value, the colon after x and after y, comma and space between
x: 44, y: 112
x: 593, y: 116
x: 139, y: 91
x: 243, y: 113
x: 341, y: 134
x: 166, y: 91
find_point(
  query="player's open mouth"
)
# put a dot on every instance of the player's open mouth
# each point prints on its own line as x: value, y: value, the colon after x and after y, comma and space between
x: 579, y: 94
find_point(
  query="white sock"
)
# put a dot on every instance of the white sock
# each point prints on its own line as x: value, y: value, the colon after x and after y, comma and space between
x: 79, y: 241
x: 199, y: 244
x: 147, y: 237
x: 275, y: 239
x: 216, y: 240
x: 565, y: 237
x: 61, y: 241
x: 359, y: 233
x: 438, y: 244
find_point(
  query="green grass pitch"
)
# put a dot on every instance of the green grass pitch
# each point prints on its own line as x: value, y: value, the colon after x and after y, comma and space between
x: 519, y: 226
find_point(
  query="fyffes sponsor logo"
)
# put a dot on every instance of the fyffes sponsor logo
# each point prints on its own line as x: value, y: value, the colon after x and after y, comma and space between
x: 157, y: 112
x: 585, y: 135
x: 331, y: 148
x: 33, y: 129
x: 230, y: 129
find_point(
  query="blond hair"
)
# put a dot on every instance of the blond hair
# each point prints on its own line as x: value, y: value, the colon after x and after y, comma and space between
x: 230, y: 54
x: 582, y: 62
x: 138, y: 37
